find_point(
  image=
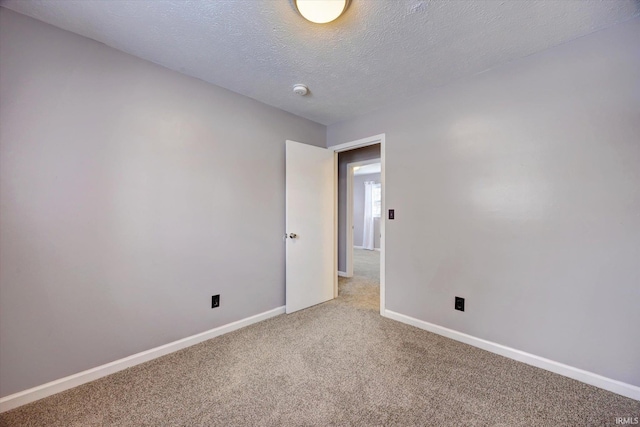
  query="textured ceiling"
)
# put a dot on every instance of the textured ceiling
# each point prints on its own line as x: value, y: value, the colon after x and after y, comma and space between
x: 379, y: 52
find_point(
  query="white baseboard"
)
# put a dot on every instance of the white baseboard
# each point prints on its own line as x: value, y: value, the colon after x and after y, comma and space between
x: 342, y: 274
x: 31, y: 395
x: 615, y: 386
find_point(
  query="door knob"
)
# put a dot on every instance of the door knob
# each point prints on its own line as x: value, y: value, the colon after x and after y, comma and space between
x: 293, y: 235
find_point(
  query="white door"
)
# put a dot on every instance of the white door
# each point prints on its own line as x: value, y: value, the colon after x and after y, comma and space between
x: 310, y: 210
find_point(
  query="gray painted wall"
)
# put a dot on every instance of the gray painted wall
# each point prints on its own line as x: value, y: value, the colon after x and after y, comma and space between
x: 129, y: 194
x: 344, y: 158
x: 358, y: 209
x: 518, y: 189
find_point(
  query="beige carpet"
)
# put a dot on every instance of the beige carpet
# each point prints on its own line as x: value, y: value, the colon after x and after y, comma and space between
x: 363, y: 289
x: 337, y: 363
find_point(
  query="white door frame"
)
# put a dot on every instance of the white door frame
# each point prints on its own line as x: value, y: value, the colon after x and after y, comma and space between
x: 364, y: 142
x: 350, y: 174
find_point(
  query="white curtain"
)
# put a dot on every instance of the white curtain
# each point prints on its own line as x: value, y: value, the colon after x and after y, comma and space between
x: 367, y: 231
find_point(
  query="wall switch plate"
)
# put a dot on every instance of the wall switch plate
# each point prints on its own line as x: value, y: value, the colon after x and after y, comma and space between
x: 392, y: 214
x: 215, y: 301
x: 459, y: 304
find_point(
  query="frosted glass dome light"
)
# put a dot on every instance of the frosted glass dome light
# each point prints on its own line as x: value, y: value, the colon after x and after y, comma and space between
x: 321, y: 11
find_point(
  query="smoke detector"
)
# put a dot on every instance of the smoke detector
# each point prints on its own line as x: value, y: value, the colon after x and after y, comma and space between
x: 300, y: 89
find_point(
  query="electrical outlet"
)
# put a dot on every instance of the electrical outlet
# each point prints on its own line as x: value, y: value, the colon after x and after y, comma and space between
x: 215, y: 301
x: 459, y: 304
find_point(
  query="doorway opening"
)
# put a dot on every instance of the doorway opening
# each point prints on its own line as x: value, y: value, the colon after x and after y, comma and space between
x: 360, y: 221
x: 364, y: 211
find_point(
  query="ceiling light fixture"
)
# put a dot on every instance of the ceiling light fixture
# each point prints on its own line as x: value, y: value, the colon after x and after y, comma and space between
x: 321, y: 11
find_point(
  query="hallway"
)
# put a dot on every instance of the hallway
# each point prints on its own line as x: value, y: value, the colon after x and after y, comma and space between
x: 363, y: 289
